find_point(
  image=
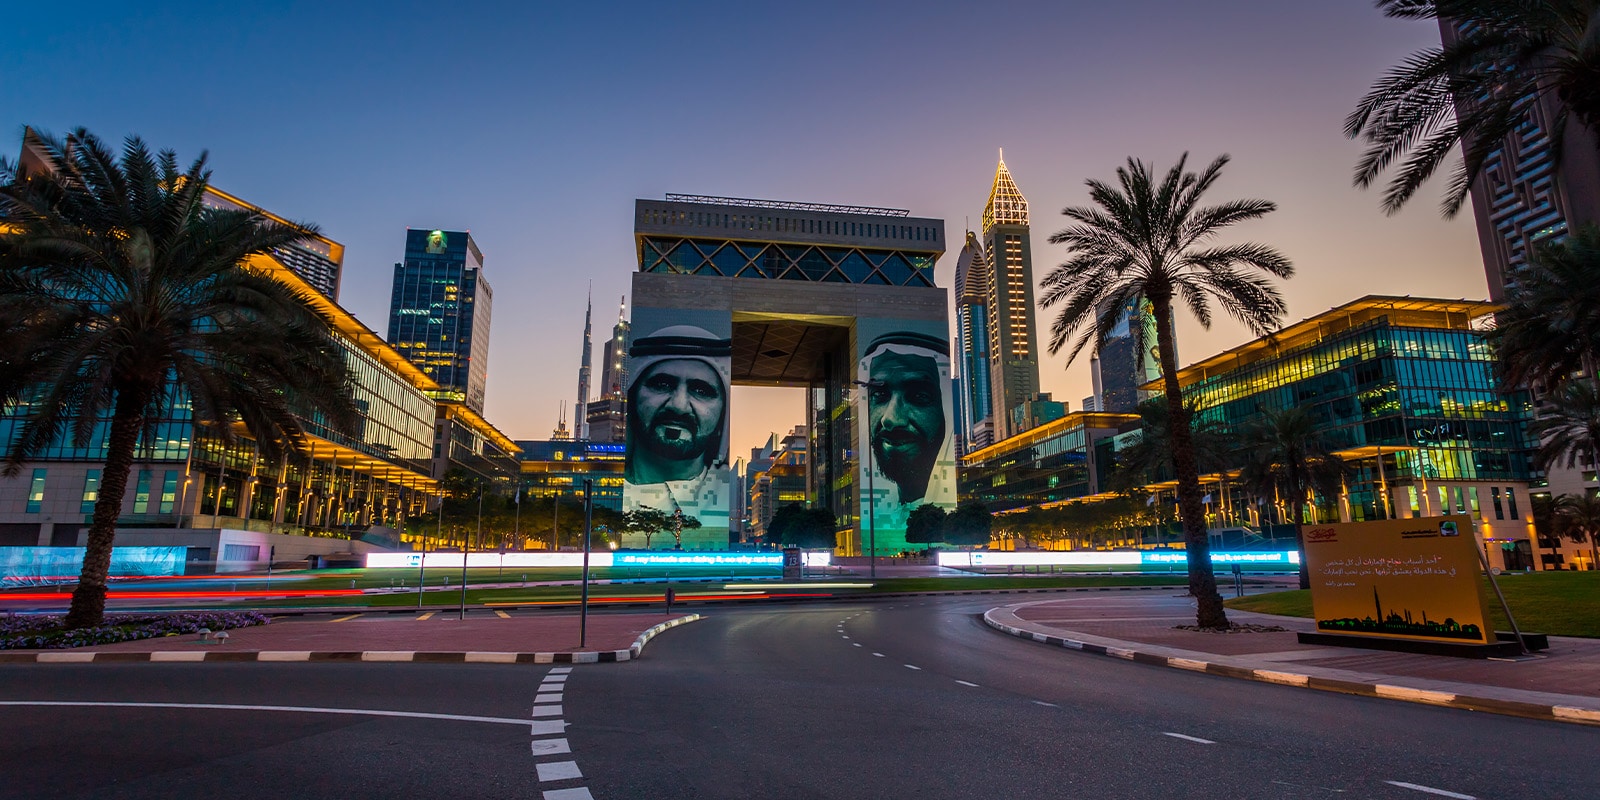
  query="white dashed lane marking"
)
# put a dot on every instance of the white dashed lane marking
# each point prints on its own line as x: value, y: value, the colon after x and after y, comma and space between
x: 913, y: 666
x: 1195, y: 739
x: 879, y: 655
x: 579, y: 793
x: 967, y: 683
x: 855, y: 644
x: 559, y: 771
x: 550, y: 747
x: 1053, y: 705
x: 1417, y: 787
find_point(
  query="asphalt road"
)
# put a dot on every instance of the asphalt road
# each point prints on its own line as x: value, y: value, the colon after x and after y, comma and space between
x: 877, y: 700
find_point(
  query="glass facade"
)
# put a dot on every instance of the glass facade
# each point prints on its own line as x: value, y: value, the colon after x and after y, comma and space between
x: 559, y: 468
x: 1062, y: 460
x: 439, y: 312
x: 1428, y: 392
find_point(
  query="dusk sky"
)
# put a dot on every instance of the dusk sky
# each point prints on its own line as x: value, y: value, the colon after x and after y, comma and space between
x: 536, y: 125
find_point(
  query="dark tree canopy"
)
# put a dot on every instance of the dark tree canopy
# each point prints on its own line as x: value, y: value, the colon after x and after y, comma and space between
x: 925, y: 525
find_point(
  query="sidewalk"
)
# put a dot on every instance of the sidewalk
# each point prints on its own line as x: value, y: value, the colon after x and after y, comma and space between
x: 436, y: 636
x: 1560, y: 683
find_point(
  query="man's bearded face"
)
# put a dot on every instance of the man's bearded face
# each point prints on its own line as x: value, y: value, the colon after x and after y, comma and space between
x: 905, y: 414
x: 679, y: 406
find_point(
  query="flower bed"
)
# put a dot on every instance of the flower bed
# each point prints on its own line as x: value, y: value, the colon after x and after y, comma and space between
x: 45, y: 632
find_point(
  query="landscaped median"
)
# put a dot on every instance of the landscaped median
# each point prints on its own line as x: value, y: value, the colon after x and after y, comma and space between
x: 1554, y: 603
x: 48, y: 632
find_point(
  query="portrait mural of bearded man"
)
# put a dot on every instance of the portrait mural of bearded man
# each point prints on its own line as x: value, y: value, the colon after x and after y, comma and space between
x: 904, y: 376
x: 677, y: 422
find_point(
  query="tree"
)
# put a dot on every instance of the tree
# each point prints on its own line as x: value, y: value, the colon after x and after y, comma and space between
x: 1548, y: 525
x: 925, y: 524
x: 1507, y: 57
x: 1286, y: 456
x: 797, y: 526
x: 1580, y: 514
x: 1154, y: 241
x: 1149, y: 459
x: 1550, y: 327
x: 681, y: 522
x: 645, y: 521
x: 122, y: 294
x: 968, y: 525
x: 1568, y: 425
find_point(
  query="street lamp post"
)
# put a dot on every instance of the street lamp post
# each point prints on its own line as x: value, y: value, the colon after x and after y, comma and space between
x: 588, y: 522
x: 872, y: 524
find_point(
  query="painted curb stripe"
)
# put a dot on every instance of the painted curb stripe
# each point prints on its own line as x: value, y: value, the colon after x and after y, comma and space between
x: 1408, y: 694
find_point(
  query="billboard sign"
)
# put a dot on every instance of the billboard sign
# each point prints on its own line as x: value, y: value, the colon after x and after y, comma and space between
x: 1412, y: 579
x: 679, y: 370
x: 907, y: 425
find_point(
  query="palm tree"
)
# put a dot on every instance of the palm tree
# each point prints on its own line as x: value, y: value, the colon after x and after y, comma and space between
x: 1505, y: 58
x: 1154, y: 241
x: 1286, y: 456
x: 1550, y: 327
x: 1568, y: 425
x: 1149, y: 459
x: 1581, y: 515
x: 123, y: 295
x: 1548, y: 525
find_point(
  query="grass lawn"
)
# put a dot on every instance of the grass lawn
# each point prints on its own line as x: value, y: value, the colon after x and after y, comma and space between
x: 1557, y: 603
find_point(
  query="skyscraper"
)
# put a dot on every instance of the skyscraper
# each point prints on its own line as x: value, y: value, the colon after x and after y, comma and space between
x: 1522, y: 198
x: 1127, y: 361
x: 972, y: 330
x: 606, y: 414
x: 439, y: 312
x: 1013, y: 357
x: 614, y: 372
x: 580, y: 412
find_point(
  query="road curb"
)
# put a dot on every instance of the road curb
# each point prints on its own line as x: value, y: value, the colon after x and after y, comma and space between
x: 306, y: 656
x: 1516, y: 708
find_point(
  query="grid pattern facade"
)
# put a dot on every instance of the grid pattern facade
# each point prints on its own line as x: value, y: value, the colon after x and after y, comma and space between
x: 439, y: 312
x: 786, y: 244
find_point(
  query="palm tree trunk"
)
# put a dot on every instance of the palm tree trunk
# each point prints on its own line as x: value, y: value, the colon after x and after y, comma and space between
x: 89, y: 599
x: 1202, y: 581
x: 1300, y: 541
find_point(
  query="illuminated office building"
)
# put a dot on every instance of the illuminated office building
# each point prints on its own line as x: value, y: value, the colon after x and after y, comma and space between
x: 1013, y: 339
x: 439, y: 313
x: 231, y: 507
x: 974, y: 397
x: 557, y: 468
x: 1401, y: 388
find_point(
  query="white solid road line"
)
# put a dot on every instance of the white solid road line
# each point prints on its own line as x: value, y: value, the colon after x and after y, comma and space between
x: 357, y: 712
x: 967, y: 683
x: 1415, y: 787
x: 1195, y: 739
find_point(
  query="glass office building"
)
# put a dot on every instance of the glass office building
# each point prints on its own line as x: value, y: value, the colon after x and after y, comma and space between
x: 439, y: 311
x: 343, y: 484
x: 558, y: 468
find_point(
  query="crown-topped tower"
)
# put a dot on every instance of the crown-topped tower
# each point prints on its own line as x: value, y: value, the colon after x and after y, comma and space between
x: 1006, y: 204
x: 1013, y: 353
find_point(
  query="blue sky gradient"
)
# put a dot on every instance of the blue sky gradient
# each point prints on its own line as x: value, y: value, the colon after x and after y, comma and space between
x: 536, y: 125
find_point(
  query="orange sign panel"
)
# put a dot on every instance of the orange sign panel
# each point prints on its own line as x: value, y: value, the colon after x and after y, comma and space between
x: 1399, y: 578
